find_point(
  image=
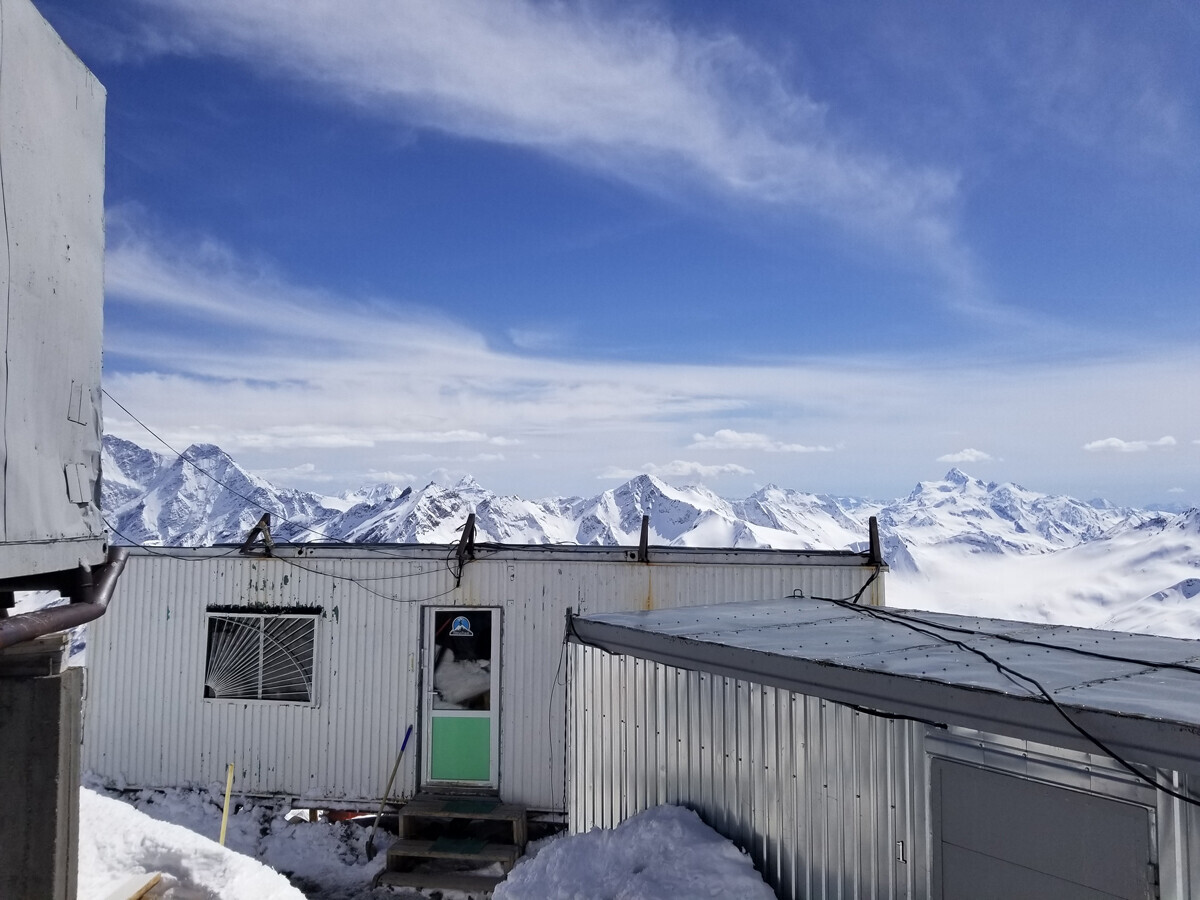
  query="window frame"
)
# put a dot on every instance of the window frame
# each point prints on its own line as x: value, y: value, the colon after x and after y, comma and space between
x: 263, y: 616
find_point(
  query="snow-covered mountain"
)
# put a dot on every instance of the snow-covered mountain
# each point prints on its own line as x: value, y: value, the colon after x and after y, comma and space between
x: 205, y: 497
x: 202, y: 497
x: 958, y: 544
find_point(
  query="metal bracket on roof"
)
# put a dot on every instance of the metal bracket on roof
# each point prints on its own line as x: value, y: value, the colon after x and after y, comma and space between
x: 263, y: 530
x: 466, y: 547
x: 644, y: 543
x: 875, y: 549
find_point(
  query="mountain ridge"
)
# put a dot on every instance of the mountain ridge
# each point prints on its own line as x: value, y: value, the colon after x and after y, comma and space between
x: 204, y: 497
x: 957, y: 544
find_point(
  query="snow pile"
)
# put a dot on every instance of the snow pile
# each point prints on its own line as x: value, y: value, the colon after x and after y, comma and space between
x: 116, y: 841
x: 661, y: 854
x: 325, y: 860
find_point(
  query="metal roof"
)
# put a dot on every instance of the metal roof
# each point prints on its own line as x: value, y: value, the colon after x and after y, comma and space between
x: 536, y: 552
x: 1128, y: 697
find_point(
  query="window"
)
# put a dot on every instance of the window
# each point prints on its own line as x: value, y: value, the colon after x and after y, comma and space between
x: 265, y: 656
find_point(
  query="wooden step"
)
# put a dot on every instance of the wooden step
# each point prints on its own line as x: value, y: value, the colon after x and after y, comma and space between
x: 444, y: 881
x: 445, y: 807
x: 486, y: 808
x: 408, y: 850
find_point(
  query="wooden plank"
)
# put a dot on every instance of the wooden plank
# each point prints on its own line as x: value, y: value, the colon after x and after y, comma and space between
x: 506, y: 854
x: 447, y: 808
x: 135, y: 887
x: 444, y: 881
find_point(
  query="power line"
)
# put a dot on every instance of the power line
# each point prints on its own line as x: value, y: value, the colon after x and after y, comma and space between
x: 183, y: 456
x: 1017, y: 678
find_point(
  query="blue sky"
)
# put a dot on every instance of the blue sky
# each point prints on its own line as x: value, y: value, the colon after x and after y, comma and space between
x: 835, y: 246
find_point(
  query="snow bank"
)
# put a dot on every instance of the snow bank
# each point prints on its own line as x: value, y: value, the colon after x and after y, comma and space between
x: 662, y: 854
x: 327, y: 860
x: 116, y: 841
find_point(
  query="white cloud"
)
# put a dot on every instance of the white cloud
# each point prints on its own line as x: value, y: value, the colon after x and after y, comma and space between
x: 388, y: 477
x: 304, y: 471
x: 969, y: 455
x: 611, y: 88
x: 1122, y: 446
x: 367, y: 376
x: 1176, y: 490
x: 487, y: 457
x: 728, y: 439
x: 678, y: 468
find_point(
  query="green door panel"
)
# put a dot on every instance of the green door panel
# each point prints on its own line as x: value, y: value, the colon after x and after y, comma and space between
x: 461, y: 748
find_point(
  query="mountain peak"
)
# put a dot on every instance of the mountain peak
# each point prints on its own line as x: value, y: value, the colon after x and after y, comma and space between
x: 958, y: 476
x: 205, y: 451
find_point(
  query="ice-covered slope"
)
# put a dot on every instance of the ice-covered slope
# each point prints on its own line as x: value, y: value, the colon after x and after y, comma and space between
x: 1145, y: 577
x: 126, y: 470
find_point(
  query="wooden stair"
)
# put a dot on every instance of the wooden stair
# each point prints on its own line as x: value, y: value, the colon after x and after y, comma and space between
x: 446, y: 839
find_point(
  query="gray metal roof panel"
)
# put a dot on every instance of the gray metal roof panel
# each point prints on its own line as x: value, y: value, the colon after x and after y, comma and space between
x: 847, y: 655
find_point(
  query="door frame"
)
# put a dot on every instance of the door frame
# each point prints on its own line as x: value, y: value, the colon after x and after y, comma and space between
x: 428, y: 657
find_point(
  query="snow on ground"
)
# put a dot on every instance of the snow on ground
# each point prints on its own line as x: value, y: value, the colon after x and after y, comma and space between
x: 177, y: 829
x: 664, y: 853
x: 116, y: 841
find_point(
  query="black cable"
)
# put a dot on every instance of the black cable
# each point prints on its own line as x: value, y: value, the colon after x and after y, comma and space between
x: 1011, y: 639
x: 154, y: 551
x: 250, y: 500
x: 562, y: 655
x: 1017, y: 677
x: 347, y: 578
x: 357, y: 583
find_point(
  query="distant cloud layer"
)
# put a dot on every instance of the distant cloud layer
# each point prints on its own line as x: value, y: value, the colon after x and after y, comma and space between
x: 379, y: 386
x: 727, y: 439
x: 676, y: 469
x: 969, y: 455
x: 1121, y: 446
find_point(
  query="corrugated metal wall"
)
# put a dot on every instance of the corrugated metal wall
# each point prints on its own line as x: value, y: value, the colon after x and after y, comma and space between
x: 1178, y: 838
x: 147, y: 723
x: 831, y: 803
x: 818, y: 793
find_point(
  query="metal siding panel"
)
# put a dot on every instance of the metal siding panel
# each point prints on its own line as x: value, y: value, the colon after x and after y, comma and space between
x: 810, y: 788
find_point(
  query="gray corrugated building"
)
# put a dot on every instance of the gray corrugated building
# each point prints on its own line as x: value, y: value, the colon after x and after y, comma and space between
x: 863, y: 753
x: 305, y: 667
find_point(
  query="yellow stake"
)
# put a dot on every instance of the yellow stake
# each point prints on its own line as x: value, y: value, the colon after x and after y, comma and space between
x: 228, y: 791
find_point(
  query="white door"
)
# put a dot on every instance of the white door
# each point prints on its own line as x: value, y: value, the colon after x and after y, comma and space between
x: 460, y: 719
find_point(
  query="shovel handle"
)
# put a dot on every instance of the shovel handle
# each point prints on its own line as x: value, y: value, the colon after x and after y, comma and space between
x: 388, y: 790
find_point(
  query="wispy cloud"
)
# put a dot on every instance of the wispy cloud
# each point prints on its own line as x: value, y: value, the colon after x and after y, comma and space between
x: 728, y: 439
x: 1121, y: 446
x: 618, y: 90
x: 678, y: 468
x: 384, y: 385
x: 1105, y: 91
x: 969, y: 455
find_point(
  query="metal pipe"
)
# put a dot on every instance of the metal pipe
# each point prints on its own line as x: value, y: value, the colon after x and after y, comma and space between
x: 87, y: 603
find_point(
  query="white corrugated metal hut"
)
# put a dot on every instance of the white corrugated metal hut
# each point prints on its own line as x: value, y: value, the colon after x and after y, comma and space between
x: 304, y: 668
x: 877, y: 753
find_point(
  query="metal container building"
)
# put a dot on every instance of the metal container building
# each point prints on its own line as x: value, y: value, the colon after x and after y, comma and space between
x: 304, y: 668
x: 858, y: 753
x: 52, y: 288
